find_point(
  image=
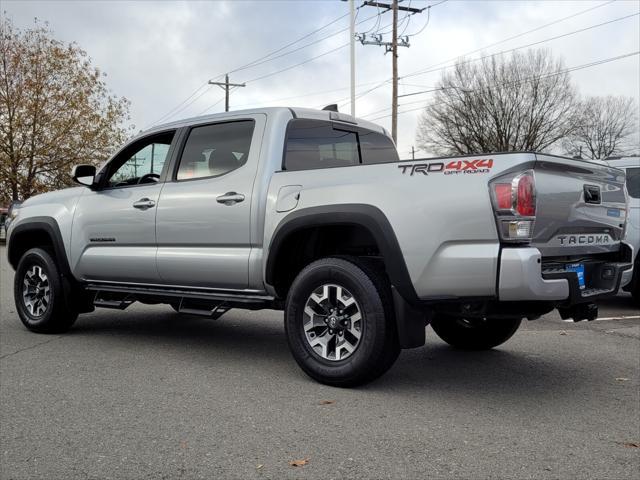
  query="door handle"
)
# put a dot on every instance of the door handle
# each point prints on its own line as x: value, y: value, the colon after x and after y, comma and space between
x: 144, y: 203
x: 230, y: 198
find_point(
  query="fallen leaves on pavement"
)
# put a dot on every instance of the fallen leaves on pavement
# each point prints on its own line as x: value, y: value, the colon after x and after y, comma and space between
x: 622, y: 379
x: 327, y: 402
x: 631, y: 445
x: 299, y: 463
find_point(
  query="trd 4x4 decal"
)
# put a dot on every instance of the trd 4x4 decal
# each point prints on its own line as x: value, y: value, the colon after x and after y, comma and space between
x: 454, y: 167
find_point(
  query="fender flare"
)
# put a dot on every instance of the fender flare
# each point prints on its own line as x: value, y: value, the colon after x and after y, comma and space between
x: 367, y: 216
x: 51, y: 228
x: 410, y: 316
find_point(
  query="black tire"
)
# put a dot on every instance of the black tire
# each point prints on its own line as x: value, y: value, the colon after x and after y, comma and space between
x: 56, y: 316
x: 378, y: 347
x: 474, y: 334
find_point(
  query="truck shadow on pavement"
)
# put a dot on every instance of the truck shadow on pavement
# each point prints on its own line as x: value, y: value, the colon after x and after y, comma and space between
x: 623, y: 302
x: 258, y: 347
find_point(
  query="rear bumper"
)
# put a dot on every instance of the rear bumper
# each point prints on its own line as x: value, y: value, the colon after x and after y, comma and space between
x: 522, y: 278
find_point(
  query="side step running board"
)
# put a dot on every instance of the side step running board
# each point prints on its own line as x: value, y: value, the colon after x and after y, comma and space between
x: 170, y: 292
x: 209, y: 303
x: 116, y: 304
x: 194, y: 309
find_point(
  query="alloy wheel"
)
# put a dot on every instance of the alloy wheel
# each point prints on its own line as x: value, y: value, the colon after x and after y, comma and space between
x: 332, y: 322
x: 36, y: 291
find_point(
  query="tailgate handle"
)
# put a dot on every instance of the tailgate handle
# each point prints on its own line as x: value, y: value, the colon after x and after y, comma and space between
x: 592, y: 194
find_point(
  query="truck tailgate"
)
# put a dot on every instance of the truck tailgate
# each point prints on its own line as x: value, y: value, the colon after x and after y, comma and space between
x: 581, y: 207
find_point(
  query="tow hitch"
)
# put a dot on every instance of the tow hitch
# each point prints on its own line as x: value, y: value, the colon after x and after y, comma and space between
x: 582, y: 311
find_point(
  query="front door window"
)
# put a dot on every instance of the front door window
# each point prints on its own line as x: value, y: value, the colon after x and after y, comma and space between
x: 141, y: 163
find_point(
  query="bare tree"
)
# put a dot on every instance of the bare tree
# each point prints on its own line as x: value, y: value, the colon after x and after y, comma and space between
x: 607, y: 126
x: 55, y: 111
x: 522, y: 102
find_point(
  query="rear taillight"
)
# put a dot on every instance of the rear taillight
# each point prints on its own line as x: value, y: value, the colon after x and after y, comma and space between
x: 514, y: 203
x: 526, y: 196
x: 503, y: 195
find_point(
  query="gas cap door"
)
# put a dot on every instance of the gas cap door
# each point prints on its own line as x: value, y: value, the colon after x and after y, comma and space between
x: 288, y: 197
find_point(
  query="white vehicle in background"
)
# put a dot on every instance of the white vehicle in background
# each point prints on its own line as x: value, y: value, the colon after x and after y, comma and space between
x: 631, y: 165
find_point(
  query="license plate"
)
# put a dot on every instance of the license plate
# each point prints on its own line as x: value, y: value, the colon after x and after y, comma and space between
x: 579, y: 269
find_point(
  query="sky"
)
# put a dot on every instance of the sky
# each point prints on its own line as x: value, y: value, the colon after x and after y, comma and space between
x: 160, y: 53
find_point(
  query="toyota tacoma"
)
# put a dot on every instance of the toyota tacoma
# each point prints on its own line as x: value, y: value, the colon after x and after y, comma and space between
x: 313, y: 213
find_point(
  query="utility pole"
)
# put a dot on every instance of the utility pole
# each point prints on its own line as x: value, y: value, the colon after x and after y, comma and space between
x: 352, y: 42
x: 225, y: 86
x: 394, y: 73
x: 391, y: 47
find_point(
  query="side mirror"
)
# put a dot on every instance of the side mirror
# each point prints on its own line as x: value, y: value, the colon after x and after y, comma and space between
x: 84, y: 174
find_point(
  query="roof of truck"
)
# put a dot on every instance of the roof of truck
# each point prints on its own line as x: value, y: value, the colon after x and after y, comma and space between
x: 631, y: 161
x: 295, y: 111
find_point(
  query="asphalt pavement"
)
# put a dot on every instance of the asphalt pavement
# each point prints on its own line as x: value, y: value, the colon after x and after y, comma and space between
x: 149, y: 393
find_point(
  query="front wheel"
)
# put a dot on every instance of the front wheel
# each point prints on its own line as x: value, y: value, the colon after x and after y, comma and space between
x: 339, y: 321
x: 39, y: 294
x: 474, y: 333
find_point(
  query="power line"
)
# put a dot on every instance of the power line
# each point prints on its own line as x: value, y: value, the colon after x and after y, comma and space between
x: 310, y: 94
x: 297, y: 64
x: 262, y: 60
x: 256, y: 62
x: 408, y: 18
x: 581, y: 12
x: 225, y: 86
x: 431, y: 70
x: 177, y: 108
x: 391, y: 47
x: 527, y: 32
x: 210, y: 106
x: 426, y: 24
x: 198, y: 93
x: 559, y: 72
x: 591, y: 27
x: 267, y: 58
x: 284, y: 47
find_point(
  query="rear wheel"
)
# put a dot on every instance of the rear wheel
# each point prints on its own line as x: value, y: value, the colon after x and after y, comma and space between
x: 474, y: 333
x: 339, y: 321
x: 39, y: 294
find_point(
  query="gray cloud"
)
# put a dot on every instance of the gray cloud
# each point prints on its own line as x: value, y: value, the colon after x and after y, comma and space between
x: 158, y: 53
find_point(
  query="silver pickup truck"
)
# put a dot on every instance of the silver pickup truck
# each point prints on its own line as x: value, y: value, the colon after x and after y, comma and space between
x: 311, y: 212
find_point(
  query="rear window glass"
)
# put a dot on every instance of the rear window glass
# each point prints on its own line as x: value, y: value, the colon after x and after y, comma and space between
x: 633, y: 182
x: 313, y: 144
x: 376, y: 148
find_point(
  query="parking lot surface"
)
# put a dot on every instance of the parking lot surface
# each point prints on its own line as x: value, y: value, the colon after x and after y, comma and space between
x: 149, y: 393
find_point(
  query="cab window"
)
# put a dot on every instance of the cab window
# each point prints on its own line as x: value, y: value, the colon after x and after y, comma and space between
x: 141, y: 163
x: 377, y: 148
x: 633, y: 182
x: 315, y: 144
x: 215, y: 150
